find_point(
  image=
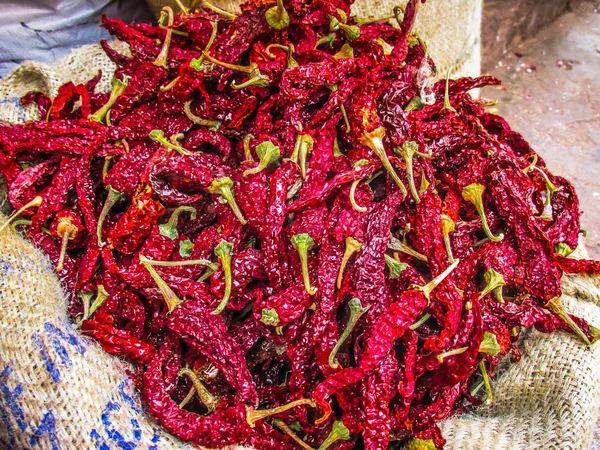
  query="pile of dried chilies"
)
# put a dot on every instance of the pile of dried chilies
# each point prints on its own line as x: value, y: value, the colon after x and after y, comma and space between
x: 301, y: 237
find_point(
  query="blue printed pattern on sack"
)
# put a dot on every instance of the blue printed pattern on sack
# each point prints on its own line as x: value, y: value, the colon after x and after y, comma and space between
x: 57, y: 337
x: 11, y: 413
x: 110, y: 437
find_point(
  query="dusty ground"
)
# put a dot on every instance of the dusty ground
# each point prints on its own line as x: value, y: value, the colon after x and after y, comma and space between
x: 551, y: 95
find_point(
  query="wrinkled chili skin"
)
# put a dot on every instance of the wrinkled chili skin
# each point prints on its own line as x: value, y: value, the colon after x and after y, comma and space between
x: 325, y: 107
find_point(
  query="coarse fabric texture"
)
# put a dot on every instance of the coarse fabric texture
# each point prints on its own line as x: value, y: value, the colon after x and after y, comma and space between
x: 451, y: 28
x: 58, y: 390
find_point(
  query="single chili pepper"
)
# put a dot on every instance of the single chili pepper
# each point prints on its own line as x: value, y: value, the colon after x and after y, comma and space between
x: 118, y: 342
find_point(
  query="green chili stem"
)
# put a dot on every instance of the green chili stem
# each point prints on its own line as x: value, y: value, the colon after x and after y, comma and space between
x: 254, y: 415
x: 159, y: 136
x: 447, y: 228
x: 486, y: 381
x: 161, y: 59
x: 429, y: 287
x: 287, y: 430
x: 422, y: 444
x: 188, y: 397
x: 209, y: 44
x: 207, y: 273
x: 118, y: 87
x: 345, y: 117
x: 247, y: 152
x: 67, y: 231
x: 352, y: 246
x: 17, y: 223
x: 352, y: 193
x: 306, y: 147
x: 101, y: 297
x: 407, y: 152
x: 37, y: 201
x: 327, y: 39
x: 169, y: 229
x: 221, y: 12
x: 190, y: 262
x: 258, y: 80
x: 171, y: 299
x: 211, y: 124
x: 205, y: 396
x: 398, y: 245
x: 113, y: 197
x: 474, y: 193
x: 244, y: 69
x: 555, y: 305
x: 224, y: 188
x: 370, y: 20
x: 224, y: 251
x: 447, y: 104
x: 356, y: 311
x: 475, y: 389
x: 339, y: 432
x: 181, y: 6
x: 303, y: 243
x: 374, y: 140
x: 415, y: 104
x: 456, y: 351
x: 424, y: 318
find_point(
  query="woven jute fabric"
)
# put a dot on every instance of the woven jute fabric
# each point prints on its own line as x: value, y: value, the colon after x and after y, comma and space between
x: 451, y: 28
x: 58, y: 390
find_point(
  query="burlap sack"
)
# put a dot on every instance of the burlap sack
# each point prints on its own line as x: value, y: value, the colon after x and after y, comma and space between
x: 451, y: 28
x: 58, y: 390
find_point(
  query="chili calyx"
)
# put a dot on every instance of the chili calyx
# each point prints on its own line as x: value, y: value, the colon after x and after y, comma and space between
x: 37, y: 201
x: 254, y: 415
x: 473, y: 193
x: 421, y: 444
x: 356, y: 311
x: 224, y: 251
x: 395, y: 267
x: 352, y: 32
x: 277, y: 17
x: 303, y: 243
x: 339, y: 432
x: 489, y: 344
x: 67, y: 231
x: 112, y: 199
x: 494, y: 282
x: 169, y: 229
x: 269, y: 317
x: 267, y: 153
x: 224, y: 188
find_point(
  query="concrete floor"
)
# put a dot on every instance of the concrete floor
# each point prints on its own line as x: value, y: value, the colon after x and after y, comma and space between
x: 551, y: 94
